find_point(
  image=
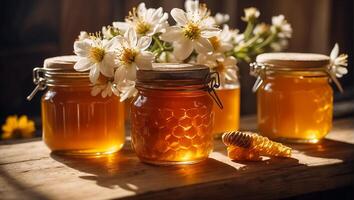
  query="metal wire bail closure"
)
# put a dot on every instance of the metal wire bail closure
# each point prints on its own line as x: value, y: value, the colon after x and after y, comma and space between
x: 39, y: 81
x: 259, y: 70
x: 214, y: 83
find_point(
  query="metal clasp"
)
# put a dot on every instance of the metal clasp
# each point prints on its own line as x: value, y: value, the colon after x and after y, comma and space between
x: 39, y: 81
x: 214, y: 83
x: 257, y: 70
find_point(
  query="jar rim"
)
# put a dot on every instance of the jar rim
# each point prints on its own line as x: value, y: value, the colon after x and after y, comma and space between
x: 293, y: 61
x: 59, y: 70
x: 174, y: 74
x: 297, y: 64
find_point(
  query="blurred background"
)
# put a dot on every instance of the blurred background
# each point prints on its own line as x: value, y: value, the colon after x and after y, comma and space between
x: 32, y: 30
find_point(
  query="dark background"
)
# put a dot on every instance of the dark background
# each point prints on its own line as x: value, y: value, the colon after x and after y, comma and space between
x: 32, y: 30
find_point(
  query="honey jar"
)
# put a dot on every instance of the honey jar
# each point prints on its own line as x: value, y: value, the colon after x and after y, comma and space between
x: 73, y: 121
x: 172, y: 115
x: 294, y: 97
x: 228, y: 118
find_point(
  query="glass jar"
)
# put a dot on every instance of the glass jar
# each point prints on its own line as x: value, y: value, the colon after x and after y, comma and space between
x: 75, y: 122
x: 172, y: 115
x: 294, y: 97
x: 228, y: 118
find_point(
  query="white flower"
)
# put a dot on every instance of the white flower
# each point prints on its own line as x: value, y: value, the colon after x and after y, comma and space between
x: 166, y: 57
x: 221, y: 18
x: 131, y: 55
x: 279, y: 45
x: 236, y: 36
x: 144, y: 21
x: 251, y: 13
x: 97, y: 56
x: 225, y: 66
x: 105, y: 89
x: 191, y: 32
x: 261, y: 29
x: 281, y: 27
x: 338, y: 63
x: 108, y: 32
x: 222, y: 42
x: 83, y: 35
x: 125, y: 89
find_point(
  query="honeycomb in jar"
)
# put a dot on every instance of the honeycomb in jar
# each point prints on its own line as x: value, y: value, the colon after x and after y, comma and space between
x: 173, y: 134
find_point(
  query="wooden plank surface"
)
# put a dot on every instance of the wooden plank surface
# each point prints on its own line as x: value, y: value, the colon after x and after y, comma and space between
x: 29, y: 171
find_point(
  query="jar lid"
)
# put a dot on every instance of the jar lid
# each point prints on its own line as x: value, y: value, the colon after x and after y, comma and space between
x: 58, y: 71
x: 176, y: 72
x: 181, y: 77
x: 61, y: 62
x: 299, y: 64
x: 294, y: 60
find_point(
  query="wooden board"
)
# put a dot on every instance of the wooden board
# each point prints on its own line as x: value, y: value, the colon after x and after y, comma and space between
x: 29, y: 171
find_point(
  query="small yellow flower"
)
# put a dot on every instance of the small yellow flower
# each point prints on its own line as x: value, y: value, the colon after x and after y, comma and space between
x: 18, y: 127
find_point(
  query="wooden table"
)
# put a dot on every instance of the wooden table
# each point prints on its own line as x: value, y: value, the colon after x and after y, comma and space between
x: 29, y: 171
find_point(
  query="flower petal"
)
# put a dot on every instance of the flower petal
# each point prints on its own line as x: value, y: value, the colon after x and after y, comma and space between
x: 144, y: 42
x: 119, y: 75
x: 82, y: 48
x: 172, y: 34
x: 131, y: 72
x: 225, y: 47
x: 182, y: 49
x: 210, y: 32
x: 202, y: 45
x: 334, y: 52
x: 122, y: 41
x: 342, y: 70
x: 94, y: 73
x: 230, y: 61
x: 131, y: 37
x: 106, y: 69
x: 144, y: 60
x: 191, y: 6
x: 179, y: 16
x: 112, y: 44
x: 83, y: 64
x: 96, y: 90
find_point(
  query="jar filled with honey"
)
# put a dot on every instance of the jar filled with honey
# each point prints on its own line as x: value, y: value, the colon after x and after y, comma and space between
x: 294, y: 97
x: 228, y: 118
x: 172, y: 115
x: 75, y: 122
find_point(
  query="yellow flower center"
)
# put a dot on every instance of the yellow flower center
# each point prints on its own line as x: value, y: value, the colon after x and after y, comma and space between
x: 128, y: 55
x: 192, y: 31
x: 215, y: 41
x: 142, y: 27
x: 96, y: 54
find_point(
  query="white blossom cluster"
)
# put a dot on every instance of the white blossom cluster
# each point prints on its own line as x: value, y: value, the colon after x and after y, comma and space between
x: 113, y: 55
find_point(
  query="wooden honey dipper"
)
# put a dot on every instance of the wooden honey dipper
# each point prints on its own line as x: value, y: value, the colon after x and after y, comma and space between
x: 250, y: 146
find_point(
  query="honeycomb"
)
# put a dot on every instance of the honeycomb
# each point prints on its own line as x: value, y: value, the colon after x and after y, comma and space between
x: 250, y: 146
x: 178, y: 130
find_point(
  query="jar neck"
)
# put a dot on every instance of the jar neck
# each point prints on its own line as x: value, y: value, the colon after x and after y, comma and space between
x: 264, y: 70
x: 172, y: 90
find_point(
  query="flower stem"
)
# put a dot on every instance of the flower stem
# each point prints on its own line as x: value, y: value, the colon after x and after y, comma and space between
x: 267, y: 41
x: 157, y: 41
x: 249, y: 29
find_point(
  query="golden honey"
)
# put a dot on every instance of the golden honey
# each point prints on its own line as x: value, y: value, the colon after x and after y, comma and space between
x: 172, y: 116
x: 294, y: 97
x: 74, y: 122
x: 294, y: 107
x: 172, y: 126
x: 228, y: 118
